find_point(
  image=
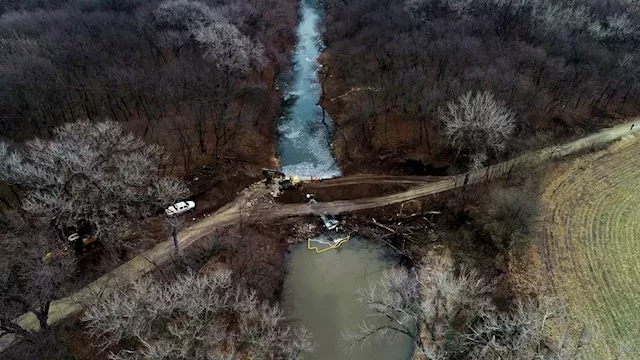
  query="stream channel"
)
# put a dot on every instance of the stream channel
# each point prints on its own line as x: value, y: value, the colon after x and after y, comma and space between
x: 320, y: 289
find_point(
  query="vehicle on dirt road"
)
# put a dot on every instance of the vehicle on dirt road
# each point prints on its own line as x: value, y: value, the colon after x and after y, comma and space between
x: 180, y: 208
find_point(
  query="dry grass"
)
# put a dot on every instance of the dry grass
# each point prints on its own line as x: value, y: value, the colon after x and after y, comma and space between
x: 592, y: 229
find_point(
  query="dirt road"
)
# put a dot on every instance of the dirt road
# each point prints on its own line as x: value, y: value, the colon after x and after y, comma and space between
x: 256, y: 211
x: 376, y: 179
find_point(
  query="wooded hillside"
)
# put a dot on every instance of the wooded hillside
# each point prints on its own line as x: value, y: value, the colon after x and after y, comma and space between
x: 196, y: 77
x: 563, y: 68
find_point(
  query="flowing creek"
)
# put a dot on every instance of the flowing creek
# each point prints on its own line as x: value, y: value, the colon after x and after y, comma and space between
x: 305, y: 139
x: 320, y: 289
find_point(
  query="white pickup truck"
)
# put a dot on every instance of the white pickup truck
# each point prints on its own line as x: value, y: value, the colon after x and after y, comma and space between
x: 180, y: 208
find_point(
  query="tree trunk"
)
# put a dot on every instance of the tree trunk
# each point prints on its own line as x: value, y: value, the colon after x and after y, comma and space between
x: 174, y: 235
x: 43, y: 316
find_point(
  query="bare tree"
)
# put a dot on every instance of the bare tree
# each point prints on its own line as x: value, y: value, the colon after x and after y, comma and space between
x: 448, y: 300
x: 175, y: 21
x: 631, y: 6
x: 420, y: 7
x: 512, y: 213
x: 534, y: 329
x: 546, y: 16
x: 90, y: 172
x: 195, y: 317
x: 616, y: 27
x: 34, y: 267
x: 436, y: 302
x: 449, y: 314
x: 531, y: 67
x: 29, y: 266
x: 477, y: 125
x: 226, y: 47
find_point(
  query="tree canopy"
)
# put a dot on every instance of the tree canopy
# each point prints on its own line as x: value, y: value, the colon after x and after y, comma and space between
x: 195, y: 317
x: 90, y: 172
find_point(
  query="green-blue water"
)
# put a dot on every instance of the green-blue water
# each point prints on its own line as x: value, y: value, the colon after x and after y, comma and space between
x: 305, y: 140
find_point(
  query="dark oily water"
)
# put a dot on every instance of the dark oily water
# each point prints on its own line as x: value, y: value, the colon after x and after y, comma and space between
x: 305, y: 140
x: 320, y: 293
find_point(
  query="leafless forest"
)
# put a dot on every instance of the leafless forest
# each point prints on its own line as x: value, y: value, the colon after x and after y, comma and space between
x: 562, y: 67
x: 194, y: 77
x: 105, y: 107
x: 111, y: 110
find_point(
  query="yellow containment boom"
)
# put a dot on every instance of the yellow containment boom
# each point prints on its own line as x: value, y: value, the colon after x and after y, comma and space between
x: 333, y: 245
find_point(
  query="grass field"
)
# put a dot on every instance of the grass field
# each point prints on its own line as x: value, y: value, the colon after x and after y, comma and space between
x: 592, y: 240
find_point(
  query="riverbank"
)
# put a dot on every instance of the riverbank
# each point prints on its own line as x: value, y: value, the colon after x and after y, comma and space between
x: 377, y: 142
x: 449, y: 227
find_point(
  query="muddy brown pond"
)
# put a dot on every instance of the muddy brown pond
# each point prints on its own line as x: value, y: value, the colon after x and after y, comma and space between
x: 320, y: 293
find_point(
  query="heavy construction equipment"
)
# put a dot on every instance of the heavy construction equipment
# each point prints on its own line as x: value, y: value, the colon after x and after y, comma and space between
x: 269, y: 174
x: 289, y: 182
x: 284, y: 181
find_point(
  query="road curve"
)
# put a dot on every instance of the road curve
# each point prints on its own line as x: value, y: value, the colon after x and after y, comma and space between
x: 232, y: 212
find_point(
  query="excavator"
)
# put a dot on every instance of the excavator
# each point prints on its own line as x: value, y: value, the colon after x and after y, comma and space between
x: 284, y: 181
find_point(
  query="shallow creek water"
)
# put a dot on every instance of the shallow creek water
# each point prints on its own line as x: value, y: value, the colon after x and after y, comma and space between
x: 305, y: 141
